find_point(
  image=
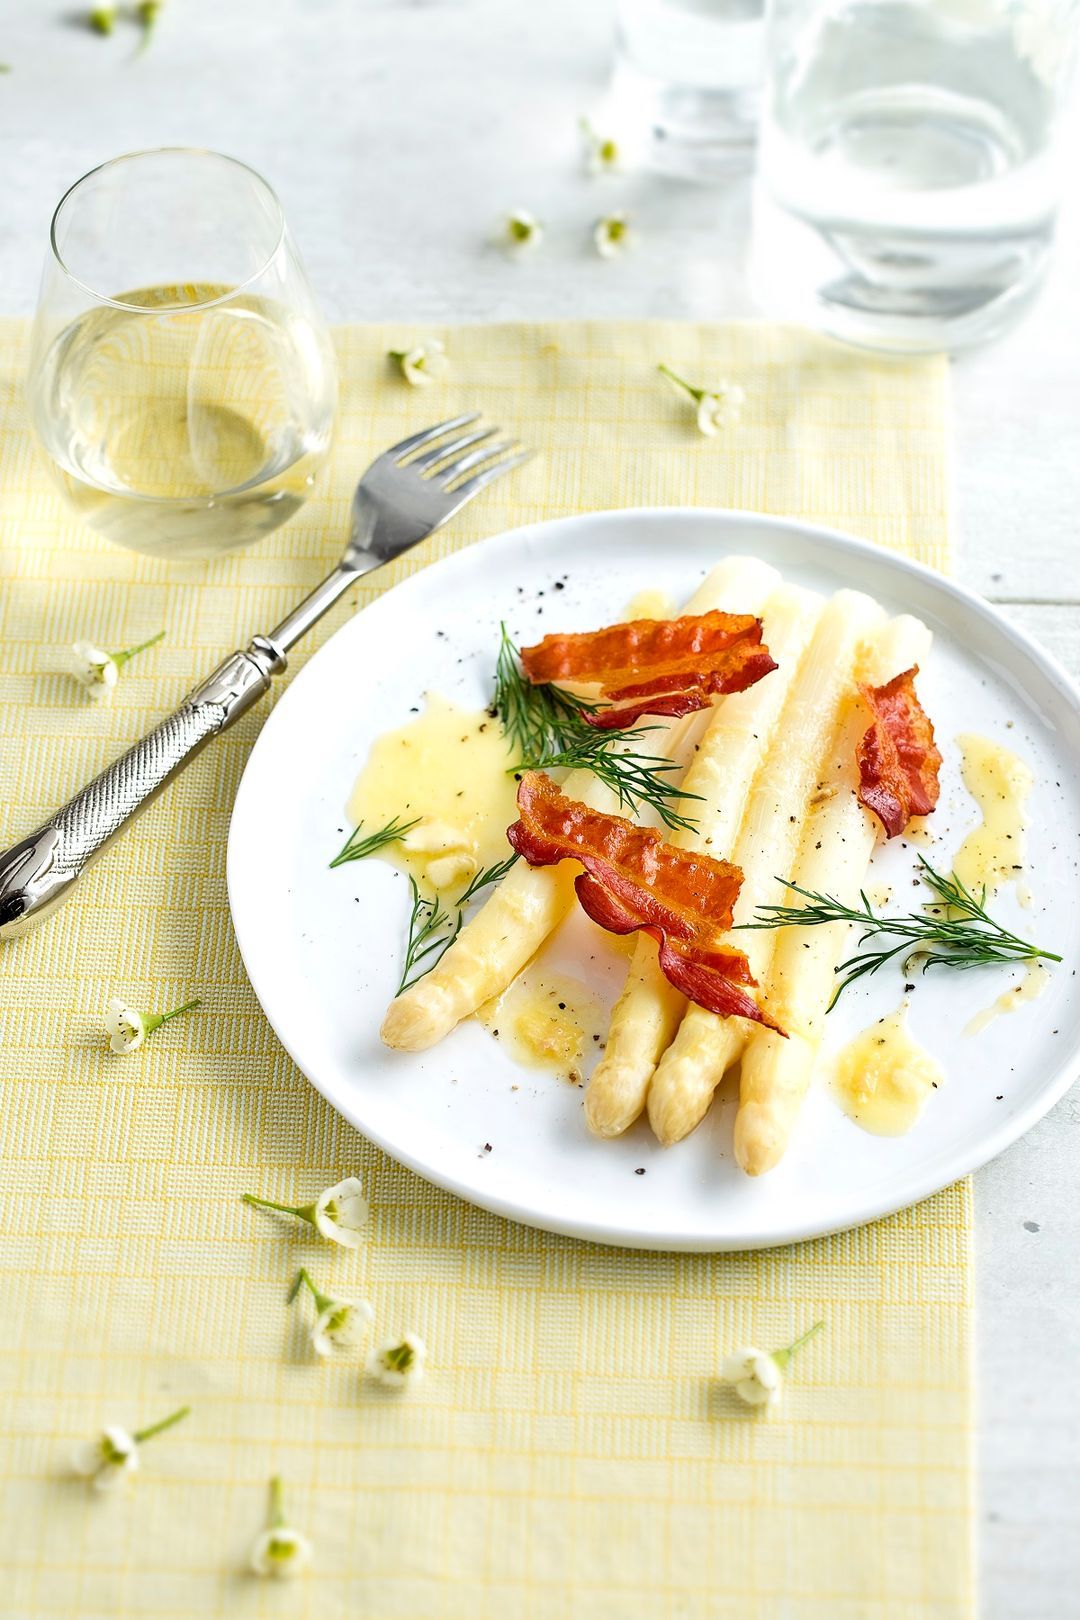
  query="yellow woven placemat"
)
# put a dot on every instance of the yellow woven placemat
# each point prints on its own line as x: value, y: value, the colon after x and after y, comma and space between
x: 568, y: 1454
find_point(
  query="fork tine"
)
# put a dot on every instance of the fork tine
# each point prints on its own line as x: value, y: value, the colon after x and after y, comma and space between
x: 446, y: 475
x: 396, y: 451
x: 441, y: 451
x: 472, y: 486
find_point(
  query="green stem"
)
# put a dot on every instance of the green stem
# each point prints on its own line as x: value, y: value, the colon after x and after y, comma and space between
x: 152, y: 1021
x: 782, y: 1357
x: 121, y: 658
x: 147, y: 15
x: 303, y: 1278
x: 277, y: 1503
x: 681, y: 382
x: 166, y: 1423
x: 304, y: 1212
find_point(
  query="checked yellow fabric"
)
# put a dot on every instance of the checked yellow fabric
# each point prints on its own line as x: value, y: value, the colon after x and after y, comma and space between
x: 569, y: 1455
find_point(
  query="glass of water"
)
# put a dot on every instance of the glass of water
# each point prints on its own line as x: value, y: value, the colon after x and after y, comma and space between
x: 910, y: 164
x: 687, y: 83
x: 181, y: 379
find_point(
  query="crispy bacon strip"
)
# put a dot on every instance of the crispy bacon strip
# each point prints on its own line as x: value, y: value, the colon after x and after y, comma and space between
x: 633, y: 881
x: 655, y: 666
x: 898, y: 759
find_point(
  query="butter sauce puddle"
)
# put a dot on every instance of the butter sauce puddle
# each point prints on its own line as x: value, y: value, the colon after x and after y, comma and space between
x: 1000, y: 783
x: 449, y: 769
x: 883, y: 1077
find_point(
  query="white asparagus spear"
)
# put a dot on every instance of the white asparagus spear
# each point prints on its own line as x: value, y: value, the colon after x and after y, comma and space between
x: 647, y: 1014
x: 837, y: 845
x: 530, y: 902
x: 768, y: 841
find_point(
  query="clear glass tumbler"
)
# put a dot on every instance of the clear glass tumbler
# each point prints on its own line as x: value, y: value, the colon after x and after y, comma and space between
x: 687, y: 82
x: 910, y: 164
x: 181, y: 379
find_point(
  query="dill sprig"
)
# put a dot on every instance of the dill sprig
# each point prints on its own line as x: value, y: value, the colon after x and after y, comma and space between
x: 953, y: 930
x: 431, y: 929
x: 547, y: 729
x: 356, y: 848
x: 490, y: 874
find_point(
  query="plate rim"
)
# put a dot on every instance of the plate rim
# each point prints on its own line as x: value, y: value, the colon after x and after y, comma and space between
x: 925, y: 1185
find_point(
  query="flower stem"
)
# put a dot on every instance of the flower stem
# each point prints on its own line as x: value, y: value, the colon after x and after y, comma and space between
x: 121, y: 658
x: 277, y: 1503
x: 784, y: 1356
x: 152, y: 1021
x: 681, y: 382
x: 303, y: 1211
x: 303, y: 1279
x: 166, y: 1423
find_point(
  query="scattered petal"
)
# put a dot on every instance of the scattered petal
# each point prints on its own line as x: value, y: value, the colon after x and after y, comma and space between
x: 720, y: 410
x: 424, y: 364
x: 522, y: 232
x: 107, y: 1461
x: 127, y: 1028
x: 340, y: 1327
x: 280, y: 1552
x: 601, y: 153
x: 124, y: 1026
x: 396, y: 1362
x: 341, y: 1212
x: 612, y: 235
x: 756, y: 1376
x: 95, y: 670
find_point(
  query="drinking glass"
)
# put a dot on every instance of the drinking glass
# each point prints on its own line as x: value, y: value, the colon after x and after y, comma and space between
x: 181, y: 379
x: 910, y: 164
x: 687, y: 80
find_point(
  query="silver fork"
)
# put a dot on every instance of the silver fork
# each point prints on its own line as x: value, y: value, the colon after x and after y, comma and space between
x: 402, y: 498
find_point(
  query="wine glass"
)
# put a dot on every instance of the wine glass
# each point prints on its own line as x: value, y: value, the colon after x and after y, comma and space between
x: 181, y: 378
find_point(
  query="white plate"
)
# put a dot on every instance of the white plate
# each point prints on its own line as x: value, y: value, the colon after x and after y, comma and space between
x: 324, y: 966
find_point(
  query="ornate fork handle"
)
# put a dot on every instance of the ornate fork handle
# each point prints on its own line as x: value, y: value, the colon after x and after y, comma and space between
x: 36, y: 874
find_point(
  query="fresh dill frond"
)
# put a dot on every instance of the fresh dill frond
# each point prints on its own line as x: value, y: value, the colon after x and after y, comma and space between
x: 356, y: 848
x: 547, y: 729
x: 490, y: 874
x: 953, y: 930
x: 432, y: 930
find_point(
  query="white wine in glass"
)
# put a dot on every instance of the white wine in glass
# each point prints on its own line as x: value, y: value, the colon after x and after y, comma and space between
x: 185, y: 416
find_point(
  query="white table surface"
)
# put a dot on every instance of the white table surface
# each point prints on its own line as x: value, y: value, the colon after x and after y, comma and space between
x: 397, y: 132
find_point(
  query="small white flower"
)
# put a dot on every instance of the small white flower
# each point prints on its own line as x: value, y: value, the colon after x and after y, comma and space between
x: 127, y: 1028
x: 721, y: 409
x: 717, y: 408
x: 755, y: 1374
x: 280, y: 1552
x: 397, y: 1361
x: 98, y: 671
x: 107, y: 1461
x: 612, y: 235
x: 124, y: 1026
x: 601, y: 153
x: 339, y: 1213
x: 114, y: 1455
x: 339, y: 1325
x: 522, y: 232
x: 758, y: 1375
x: 423, y: 364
